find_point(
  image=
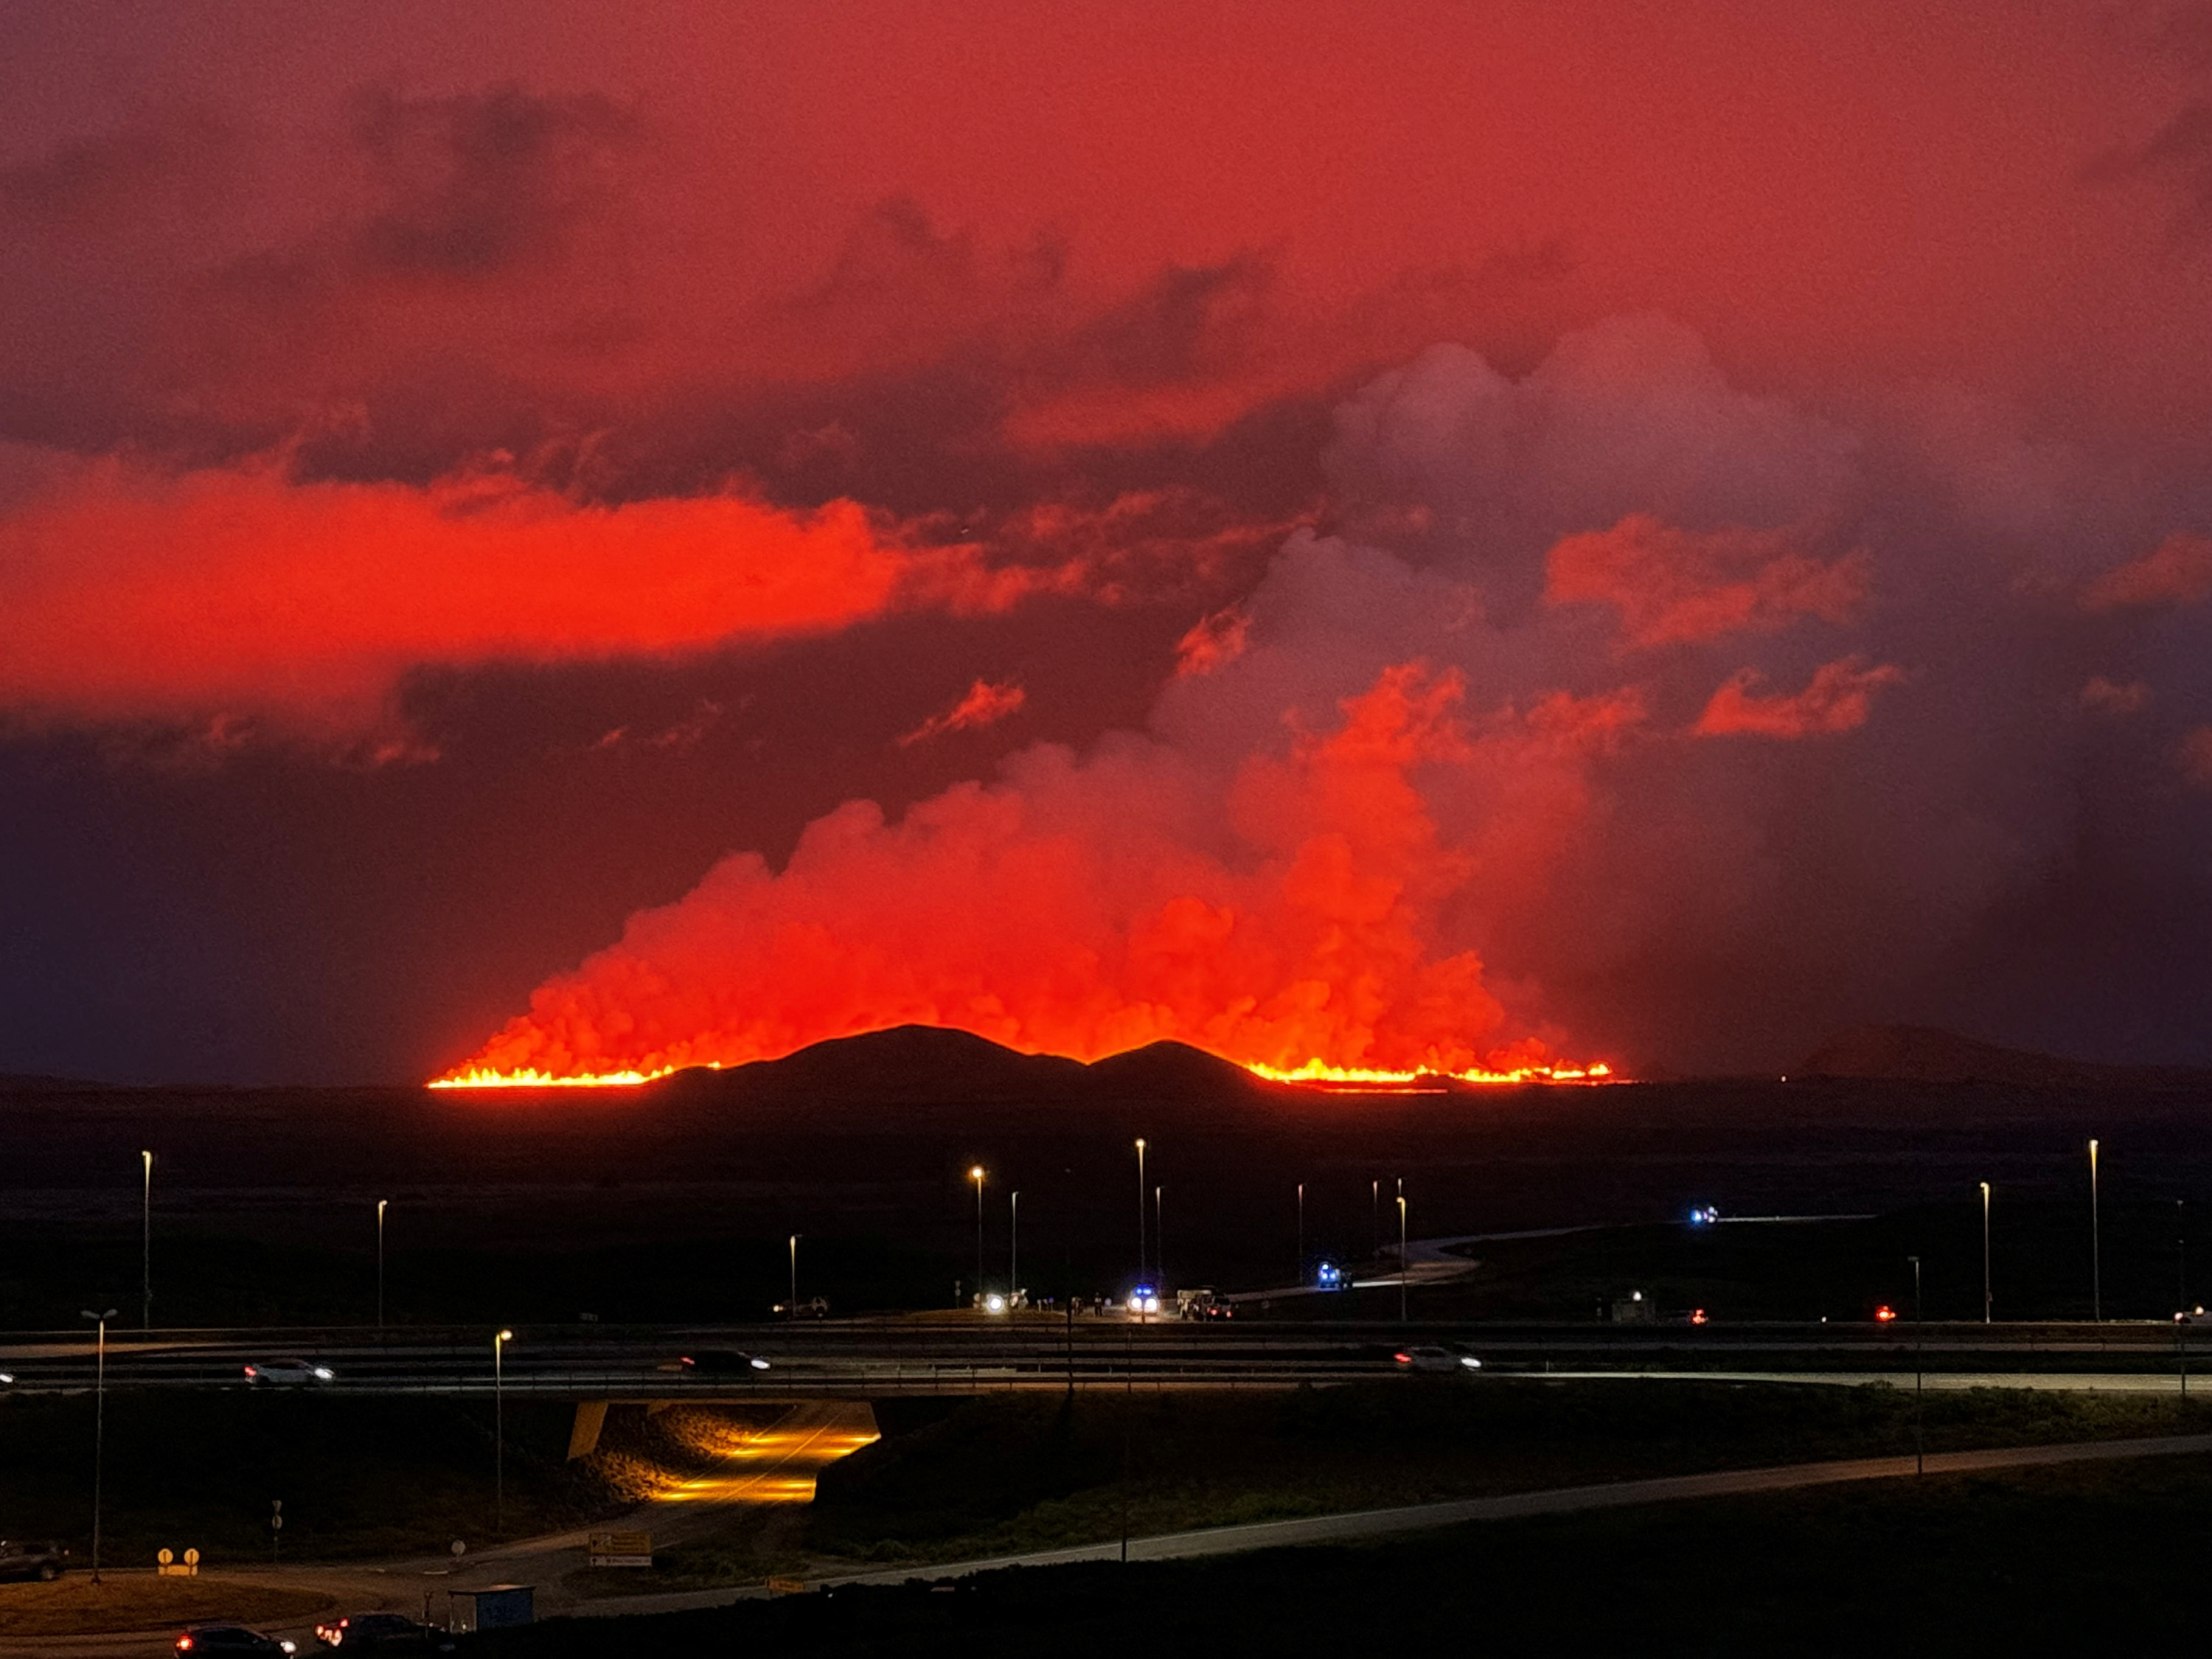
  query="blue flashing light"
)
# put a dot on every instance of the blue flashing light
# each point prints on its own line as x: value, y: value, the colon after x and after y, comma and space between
x: 1329, y: 1276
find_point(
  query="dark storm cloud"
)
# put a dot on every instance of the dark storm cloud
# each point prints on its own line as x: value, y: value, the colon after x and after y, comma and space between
x: 483, y: 183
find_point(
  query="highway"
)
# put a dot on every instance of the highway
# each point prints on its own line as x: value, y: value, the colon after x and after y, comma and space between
x: 864, y: 1359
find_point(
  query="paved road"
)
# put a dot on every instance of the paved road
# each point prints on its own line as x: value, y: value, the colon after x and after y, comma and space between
x: 862, y: 1359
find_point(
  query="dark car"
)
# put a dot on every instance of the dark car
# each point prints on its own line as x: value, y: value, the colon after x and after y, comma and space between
x: 721, y: 1362
x: 382, y: 1633
x: 230, y: 1639
x: 39, y: 1558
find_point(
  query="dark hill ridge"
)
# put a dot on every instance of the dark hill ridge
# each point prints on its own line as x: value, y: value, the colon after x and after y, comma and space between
x: 1921, y: 1054
x: 924, y: 1066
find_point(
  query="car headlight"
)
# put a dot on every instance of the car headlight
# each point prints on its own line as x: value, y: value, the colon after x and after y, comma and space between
x: 324, y: 1372
x: 760, y: 1364
x: 1471, y: 1362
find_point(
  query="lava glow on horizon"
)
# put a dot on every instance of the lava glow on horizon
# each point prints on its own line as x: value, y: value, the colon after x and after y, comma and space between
x: 1352, y: 1078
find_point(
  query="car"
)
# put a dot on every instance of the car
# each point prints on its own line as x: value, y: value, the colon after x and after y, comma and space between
x: 720, y: 1362
x: 232, y: 1639
x: 22, y: 1558
x: 382, y: 1633
x: 288, y: 1373
x: 1429, y: 1358
x: 814, y: 1307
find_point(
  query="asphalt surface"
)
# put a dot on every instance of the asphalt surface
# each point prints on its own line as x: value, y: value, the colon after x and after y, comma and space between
x: 956, y: 1354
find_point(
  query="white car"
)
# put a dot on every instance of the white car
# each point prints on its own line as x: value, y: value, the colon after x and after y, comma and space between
x: 1434, y: 1359
x: 288, y: 1373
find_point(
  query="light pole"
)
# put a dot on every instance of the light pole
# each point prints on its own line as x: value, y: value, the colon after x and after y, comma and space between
x: 381, y: 1204
x: 1299, y: 1276
x: 1985, y: 1253
x: 2096, y: 1246
x: 792, y: 1306
x: 1919, y: 1443
x: 1375, y: 1218
x: 1401, y: 1258
x: 1159, y: 1243
x: 1014, y: 1248
x: 146, y: 1246
x: 976, y: 1174
x: 99, y: 1424
x: 1140, y: 1209
x: 499, y: 1431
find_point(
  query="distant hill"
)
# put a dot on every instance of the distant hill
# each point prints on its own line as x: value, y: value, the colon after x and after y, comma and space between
x: 1921, y: 1054
x: 913, y: 1067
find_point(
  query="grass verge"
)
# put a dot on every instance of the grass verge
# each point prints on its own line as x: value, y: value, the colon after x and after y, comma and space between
x: 77, y: 1606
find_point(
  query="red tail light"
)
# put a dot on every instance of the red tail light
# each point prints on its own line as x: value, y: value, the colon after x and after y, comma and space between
x: 1403, y: 1358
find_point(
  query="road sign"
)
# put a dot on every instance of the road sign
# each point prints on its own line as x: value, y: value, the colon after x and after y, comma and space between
x: 621, y: 1549
x: 787, y: 1587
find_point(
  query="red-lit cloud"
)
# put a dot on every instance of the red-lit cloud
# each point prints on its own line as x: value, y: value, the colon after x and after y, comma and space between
x: 2179, y: 571
x: 1839, y: 698
x: 1673, y: 587
x: 242, y: 592
x: 984, y: 704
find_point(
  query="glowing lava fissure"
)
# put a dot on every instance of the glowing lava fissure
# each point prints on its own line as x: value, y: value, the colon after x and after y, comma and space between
x: 1314, y: 1072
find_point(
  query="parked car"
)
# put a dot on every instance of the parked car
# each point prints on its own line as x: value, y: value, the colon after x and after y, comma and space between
x: 232, y: 1639
x: 25, y: 1557
x: 814, y: 1307
x: 721, y: 1362
x: 288, y: 1373
x: 382, y: 1633
x: 1434, y: 1359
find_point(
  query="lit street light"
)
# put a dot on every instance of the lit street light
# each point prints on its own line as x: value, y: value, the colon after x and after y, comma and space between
x: 1299, y: 1276
x: 792, y: 1306
x: 380, y: 1204
x: 99, y: 1426
x: 1140, y: 1209
x: 2096, y: 1246
x: 1985, y: 1253
x: 976, y: 1174
x: 1401, y: 1256
x: 499, y: 1431
x: 146, y: 1240
x: 1014, y: 1247
x: 1159, y: 1242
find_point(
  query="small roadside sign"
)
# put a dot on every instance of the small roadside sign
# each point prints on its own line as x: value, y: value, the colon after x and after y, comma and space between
x: 787, y: 1587
x: 621, y: 1549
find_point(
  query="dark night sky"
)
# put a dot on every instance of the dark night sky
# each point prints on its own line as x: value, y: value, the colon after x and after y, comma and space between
x: 1390, y: 534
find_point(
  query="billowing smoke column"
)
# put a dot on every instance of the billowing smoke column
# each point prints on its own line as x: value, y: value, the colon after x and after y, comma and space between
x: 1618, y: 701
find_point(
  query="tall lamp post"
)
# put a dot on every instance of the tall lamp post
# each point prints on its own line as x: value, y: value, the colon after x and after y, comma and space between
x: 499, y: 1430
x: 1299, y: 1276
x: 382, y: 1204
x: 99, y: 1424
x: 146, y: 1246
x: 1160, y: 1241
x: 792, y: 1306
x: 1140, y: 1209
x: 1985, y: 1253
x: 2096, y: 1246
x: 1401, y: 1258
x: 976, y: 1174
x: 1014, y: 1248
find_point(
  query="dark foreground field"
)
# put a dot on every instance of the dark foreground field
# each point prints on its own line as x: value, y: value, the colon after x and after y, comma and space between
x: 2097, y: 1558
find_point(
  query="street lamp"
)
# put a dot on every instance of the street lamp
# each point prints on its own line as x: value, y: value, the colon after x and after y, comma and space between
x: 99, y: 1426
x: 1014, y: 1248
x: 1985, y: 1253
x: 1401, y: 1258
x: 976, y: 1174
x: 1299, y: 1276
x: 146, y: 1240
x: 792, y: 1306
x: 1159, y: 1242
x: 1140, y: 1209
x: 2096, y: 1246
x: 380, y: 1205
x: 499, y: 1431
